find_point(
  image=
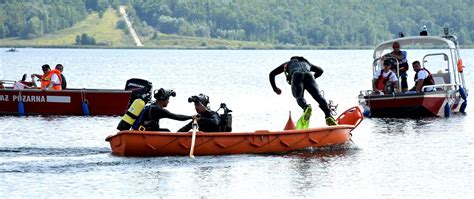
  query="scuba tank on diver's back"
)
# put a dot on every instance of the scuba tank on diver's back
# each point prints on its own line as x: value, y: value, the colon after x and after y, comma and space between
x: 131, y: 115
x: 133, y: 118
x: 141, y: 94
x: 226, y: 119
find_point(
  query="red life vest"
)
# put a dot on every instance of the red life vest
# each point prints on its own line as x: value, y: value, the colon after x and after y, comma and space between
x: 46, y: 79
x: 382, y: 81
x: 427, y: 81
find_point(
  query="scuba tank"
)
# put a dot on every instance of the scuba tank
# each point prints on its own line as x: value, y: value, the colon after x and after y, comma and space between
x: 141, y: 94
x: 226, y: 119
x: 136, y: 108
x: 226, y: 123
x: 131, y: 115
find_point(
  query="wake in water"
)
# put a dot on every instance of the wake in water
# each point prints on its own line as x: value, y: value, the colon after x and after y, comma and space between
x: 30, y: 159
x: 72, y: 160
x: 65, y: 152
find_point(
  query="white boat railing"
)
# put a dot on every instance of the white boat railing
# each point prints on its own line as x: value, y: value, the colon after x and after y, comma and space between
x: 442, y: 86
x: 7, y: 83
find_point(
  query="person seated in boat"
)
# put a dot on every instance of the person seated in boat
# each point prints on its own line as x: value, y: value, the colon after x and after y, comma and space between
x: 298, y: 72
x: 152, y: 113
x: 60, y: 68
x: 22, y: 84
x: 422, y: 78
x: 385, y: 81
x: 208, y: 120
x: 50, y: 80
x: 401, y: 56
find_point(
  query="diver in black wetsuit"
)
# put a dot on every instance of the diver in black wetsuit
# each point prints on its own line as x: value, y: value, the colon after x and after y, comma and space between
x: 208, y: 120
x: 156, y: 111
x: 298, y: 75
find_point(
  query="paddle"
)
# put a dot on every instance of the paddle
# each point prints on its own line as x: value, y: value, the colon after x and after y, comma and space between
x: 193, y: 138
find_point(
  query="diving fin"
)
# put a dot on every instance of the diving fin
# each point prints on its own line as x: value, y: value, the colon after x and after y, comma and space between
x: 303, y: 122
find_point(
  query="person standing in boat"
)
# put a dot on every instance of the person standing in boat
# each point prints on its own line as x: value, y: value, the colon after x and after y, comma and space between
x: 422, y: 78
x: 153, y: 112
x: 401, y: 56
x: 60, y: 68
x: 50, y: 80
x: 385, y: 81
x: 207, y: 119
x: 298, y: 75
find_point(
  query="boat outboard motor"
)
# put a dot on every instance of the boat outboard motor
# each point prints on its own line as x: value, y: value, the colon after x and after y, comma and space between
x: 226, y: 119
x: 141, y: 94
x: 141, y: 89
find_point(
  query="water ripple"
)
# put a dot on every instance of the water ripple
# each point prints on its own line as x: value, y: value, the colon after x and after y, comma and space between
x: 67, y: 152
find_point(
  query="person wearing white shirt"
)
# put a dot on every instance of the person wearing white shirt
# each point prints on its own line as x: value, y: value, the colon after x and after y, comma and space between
x: 423, y: 77
x: 50, y: 80
x: 385, y: 80
x: 54, y: 80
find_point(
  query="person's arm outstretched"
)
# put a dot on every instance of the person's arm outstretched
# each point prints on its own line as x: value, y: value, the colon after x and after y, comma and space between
x: 272, y: 75
x: 318, y: 71
x: 163, y: 113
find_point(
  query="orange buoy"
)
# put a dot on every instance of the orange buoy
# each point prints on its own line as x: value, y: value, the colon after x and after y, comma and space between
x: 290, y: 125
x: 460, y: 66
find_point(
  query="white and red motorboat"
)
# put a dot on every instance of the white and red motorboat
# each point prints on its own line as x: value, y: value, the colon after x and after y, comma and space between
x: 443, y: 59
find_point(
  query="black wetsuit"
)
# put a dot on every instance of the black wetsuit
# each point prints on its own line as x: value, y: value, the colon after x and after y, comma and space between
x: 63, y: 82
x: 208, y: 122
x: 299, y: 76
x: 152, y: 115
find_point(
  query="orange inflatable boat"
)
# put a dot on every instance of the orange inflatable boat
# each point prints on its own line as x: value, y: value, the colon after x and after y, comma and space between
x: 147, y: 143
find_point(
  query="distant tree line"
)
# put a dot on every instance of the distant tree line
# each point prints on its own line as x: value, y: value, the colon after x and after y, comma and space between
x: 294, y: 22
x: 29, y: 19
x: 307, y: 22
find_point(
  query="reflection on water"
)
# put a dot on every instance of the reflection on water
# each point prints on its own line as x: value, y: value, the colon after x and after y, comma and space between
x: 59, y: 156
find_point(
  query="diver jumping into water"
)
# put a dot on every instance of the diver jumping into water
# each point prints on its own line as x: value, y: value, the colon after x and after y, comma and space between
x: 298, y: 75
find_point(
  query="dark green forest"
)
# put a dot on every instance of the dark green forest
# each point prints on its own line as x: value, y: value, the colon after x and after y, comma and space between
x: 308, y: 22
x: 289, y: 22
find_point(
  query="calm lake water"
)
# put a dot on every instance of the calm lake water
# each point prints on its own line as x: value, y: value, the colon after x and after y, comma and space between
x: 389, y: 158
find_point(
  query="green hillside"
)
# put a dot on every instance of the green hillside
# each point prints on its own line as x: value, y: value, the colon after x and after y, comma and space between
x: 103, y: 29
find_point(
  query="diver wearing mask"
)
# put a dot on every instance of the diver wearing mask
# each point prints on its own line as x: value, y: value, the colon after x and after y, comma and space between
x: 208, y: 120
x: 156, y: 111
